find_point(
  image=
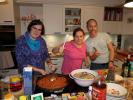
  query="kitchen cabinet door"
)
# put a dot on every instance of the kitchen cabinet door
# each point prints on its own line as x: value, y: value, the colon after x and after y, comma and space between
x: 53, y: 17
x: 7, y: 13
x: 72, y: 19
x: 113, y: 27
x: 128, y: 21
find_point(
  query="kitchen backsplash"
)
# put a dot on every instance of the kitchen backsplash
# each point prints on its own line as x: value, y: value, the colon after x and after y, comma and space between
x: 120, y: 41
x: 53, y: 40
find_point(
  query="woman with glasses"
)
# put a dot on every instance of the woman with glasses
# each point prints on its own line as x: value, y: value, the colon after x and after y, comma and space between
x: 31, y: 49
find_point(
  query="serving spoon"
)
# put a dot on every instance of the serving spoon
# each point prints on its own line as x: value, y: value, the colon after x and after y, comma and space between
x: 53, y: 78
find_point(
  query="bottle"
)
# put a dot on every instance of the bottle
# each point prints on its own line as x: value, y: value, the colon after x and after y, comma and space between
x: 99, y: 90
x: 129, y: 66
x: 123, y: 67
x: 126, y: 67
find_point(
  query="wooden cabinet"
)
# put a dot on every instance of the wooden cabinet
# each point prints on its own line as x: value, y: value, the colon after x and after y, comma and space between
x: 113, y: 14
x: 72, y: 19
x: 7, y: 13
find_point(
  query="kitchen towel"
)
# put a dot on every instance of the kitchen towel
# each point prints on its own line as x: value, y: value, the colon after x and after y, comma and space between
x: 6, y: 60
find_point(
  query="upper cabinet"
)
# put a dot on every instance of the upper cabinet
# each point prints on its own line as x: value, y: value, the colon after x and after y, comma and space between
x: 113, y: 14
x: 92, y: 12
x: 65, y: 18
x: 28, y: 12
x: 128, y: 21
x: 7, y: 12
x: 53, y: 18
x: 113, y: 20
x: 72, y: 19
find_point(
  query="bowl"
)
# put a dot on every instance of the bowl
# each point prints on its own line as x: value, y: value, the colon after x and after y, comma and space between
x: 116, y: 90
x: 83, y: 82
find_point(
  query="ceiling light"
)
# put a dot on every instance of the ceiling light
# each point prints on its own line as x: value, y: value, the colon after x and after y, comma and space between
x: 2, y: 0
x: 128, y: 3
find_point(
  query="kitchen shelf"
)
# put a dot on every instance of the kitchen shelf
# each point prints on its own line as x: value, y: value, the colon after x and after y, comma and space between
x: 113, y: 14
x: 72, y: 19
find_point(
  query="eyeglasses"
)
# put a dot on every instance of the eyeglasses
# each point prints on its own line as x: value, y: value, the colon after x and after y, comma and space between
x: 37, y: 29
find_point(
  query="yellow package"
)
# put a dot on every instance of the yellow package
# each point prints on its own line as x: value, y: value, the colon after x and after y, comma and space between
x: 73, y: 98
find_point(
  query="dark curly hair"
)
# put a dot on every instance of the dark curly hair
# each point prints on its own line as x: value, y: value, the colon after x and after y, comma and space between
x: 77, y: 30
x: 36, y: 22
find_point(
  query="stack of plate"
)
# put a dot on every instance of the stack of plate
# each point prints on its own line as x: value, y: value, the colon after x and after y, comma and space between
x: 116, y: 92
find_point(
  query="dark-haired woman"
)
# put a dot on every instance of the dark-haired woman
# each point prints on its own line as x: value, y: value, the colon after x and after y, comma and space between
x: 74, y: 52
x: 31, y: 49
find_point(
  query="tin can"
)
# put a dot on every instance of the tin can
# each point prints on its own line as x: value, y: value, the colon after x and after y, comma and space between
x: 99, y: 91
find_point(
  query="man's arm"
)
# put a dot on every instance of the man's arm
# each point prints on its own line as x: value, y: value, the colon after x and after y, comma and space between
x: 111, y: 54
x: 94, y: 55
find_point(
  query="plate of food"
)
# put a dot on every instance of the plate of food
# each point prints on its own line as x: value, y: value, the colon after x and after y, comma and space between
x: 116, y: 90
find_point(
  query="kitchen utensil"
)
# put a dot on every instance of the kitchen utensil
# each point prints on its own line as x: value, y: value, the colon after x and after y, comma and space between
x: 83, y: 82
x: 53, y: 78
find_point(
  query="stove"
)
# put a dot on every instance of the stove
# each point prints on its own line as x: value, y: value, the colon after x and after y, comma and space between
x: 72, y: 87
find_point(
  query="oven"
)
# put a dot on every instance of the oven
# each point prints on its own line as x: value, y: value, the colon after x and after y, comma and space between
x: 7, y: 36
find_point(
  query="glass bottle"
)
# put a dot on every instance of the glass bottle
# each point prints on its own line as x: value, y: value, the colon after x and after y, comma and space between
x: 126, y: 67
x: 123, y: 67
x: 129, y: 66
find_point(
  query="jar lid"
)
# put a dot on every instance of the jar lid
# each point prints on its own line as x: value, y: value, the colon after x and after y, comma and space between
x: 14, y: 78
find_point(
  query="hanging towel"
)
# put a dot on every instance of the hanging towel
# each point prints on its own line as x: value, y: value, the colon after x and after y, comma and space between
x: 6, y: 60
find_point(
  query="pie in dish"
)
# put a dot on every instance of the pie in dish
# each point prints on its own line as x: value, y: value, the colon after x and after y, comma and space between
x: 52, y: 82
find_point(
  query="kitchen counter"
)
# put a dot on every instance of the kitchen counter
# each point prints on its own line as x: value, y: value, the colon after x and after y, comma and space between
x: 73, y: 87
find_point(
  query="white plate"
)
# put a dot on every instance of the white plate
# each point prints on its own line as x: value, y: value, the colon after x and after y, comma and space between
x: 116, y: 90
x: 115, y: 98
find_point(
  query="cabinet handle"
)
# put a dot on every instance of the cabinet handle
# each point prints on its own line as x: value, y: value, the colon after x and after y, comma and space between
x: 53, y: 59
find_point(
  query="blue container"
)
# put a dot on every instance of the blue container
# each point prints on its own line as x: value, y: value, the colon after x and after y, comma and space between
x: 27, y: 77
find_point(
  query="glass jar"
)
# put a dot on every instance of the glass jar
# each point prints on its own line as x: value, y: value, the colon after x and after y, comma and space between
x: 15, y: 83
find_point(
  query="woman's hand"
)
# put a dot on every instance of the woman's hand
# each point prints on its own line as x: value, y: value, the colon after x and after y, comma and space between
x: 43, y: 72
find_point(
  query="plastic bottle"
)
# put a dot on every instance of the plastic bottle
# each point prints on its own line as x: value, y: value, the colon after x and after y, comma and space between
x: 99, y: 90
